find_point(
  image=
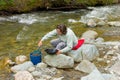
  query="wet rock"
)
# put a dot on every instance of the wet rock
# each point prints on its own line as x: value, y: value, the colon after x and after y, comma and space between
x: 36, y: 73
x: 101, y: 23
x: 72, y: 21
x: 91, y: 23
x: 59, y: 61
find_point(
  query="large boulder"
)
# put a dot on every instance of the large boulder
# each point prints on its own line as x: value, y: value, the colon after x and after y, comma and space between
x: 59, y: 61
x: 85, y: 52
x: 110, y: 77
x: 94, y: 75
x: 86, y: 66
x: 22, y: 67
x: 89, y: 36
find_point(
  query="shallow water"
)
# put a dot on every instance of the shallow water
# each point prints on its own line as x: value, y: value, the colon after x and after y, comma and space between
x: 19, y: 34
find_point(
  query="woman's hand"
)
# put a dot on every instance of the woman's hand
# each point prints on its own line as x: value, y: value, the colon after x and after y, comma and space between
x: 40, y: 43
x: 59, y: 52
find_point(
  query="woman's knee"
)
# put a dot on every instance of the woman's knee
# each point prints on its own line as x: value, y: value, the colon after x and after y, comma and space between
x: 54, y: 42
x: 61, y: 45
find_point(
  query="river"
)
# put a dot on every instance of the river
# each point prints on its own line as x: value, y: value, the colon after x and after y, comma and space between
x: 20, y: 33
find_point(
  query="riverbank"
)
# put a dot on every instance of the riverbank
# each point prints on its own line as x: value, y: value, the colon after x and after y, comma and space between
x: 65, y: 8
x: 23, y: 6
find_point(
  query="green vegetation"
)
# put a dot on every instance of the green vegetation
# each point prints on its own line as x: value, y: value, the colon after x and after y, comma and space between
x: 5, y: 4
x: 28, y: 5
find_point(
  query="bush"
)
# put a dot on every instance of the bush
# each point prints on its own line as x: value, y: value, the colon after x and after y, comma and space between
x: 5, y: 4
x: 28, y: 5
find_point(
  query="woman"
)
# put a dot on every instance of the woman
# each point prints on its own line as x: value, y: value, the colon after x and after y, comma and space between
x: 67, y: 39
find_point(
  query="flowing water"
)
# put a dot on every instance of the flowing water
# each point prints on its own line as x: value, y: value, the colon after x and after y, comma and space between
x: 19, y: 34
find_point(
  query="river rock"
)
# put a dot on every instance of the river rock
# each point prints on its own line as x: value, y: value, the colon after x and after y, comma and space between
x: 89, y: 36
x: 101, y: 23
x: 115, y: 68
x: 31, y: 69
x: 37, y: 73
x: 20, y: 59
x: 107, y: 76
x: 110, y: 52
x: 91, y: 23
x: 23, y: 75
x: 86, y: 66
x: 85, y: 52
x: 10, y: 62
x: 99, y: 40
x: 41, y: 65
x: 110, y: 77
x: 22, y: 67
x: 61, y: 78
x: 117, y: 47
x: 94, y: 75
x: 72, y: 21
x: 114, y: 23
x: 59, y: 61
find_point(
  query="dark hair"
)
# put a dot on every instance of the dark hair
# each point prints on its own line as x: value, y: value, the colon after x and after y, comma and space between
x: 62, y: 28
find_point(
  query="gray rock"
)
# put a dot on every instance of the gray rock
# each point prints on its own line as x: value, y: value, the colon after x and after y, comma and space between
x: 22, y: 67
x: 115, y: 68
x: 23, y: 75
x: 59, y: 61
x: 94, y: 75
x: 89, y: 36
x: 86, y: 66
x: 85, y: 52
